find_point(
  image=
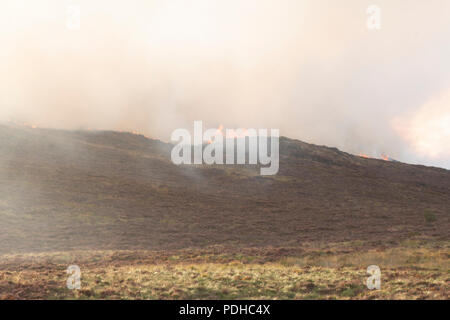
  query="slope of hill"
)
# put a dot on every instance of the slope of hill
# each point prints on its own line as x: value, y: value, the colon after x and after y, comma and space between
x: 64, y: 190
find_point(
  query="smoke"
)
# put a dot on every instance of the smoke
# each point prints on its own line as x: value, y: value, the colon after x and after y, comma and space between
x: 310, y: 68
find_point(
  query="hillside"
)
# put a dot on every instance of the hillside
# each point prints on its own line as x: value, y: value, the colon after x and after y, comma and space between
x: 69, y: 190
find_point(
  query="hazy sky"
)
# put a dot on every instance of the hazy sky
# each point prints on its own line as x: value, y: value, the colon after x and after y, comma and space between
x: 310, y: 68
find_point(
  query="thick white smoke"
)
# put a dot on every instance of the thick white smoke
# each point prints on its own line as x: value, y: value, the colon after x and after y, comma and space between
x: 310, y: 68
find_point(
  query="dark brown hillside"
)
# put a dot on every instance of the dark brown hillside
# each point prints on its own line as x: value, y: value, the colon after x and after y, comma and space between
x: 63, y: 190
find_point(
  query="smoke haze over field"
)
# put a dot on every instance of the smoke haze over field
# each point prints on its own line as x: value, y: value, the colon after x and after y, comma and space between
x: 310, y: 68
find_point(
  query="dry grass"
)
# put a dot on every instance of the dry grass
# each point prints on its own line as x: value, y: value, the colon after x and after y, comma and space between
x: 408, y: 272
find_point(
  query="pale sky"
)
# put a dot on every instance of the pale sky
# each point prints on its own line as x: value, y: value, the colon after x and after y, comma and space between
x: 309, y: 68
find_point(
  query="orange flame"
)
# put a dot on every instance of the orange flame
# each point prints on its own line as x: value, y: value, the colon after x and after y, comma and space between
x: 230, y: 134
x: 383, y: 156
x: 23, y: 124
x: 364, y: 155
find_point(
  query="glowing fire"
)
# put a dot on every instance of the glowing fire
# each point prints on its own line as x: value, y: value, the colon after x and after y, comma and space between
x: 383, y: 156
x: 364, y: 155
x: 22, y: 124
x: 34, y: 126
x: 137, y: 133
x: 427, y: 129
x: 231, y: 133
x: 218, y: 132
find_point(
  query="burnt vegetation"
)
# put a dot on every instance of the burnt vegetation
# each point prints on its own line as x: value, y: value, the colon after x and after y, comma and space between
x: 76, y: 190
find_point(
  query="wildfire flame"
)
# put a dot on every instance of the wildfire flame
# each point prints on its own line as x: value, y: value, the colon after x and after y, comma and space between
x: 22, y: 124
x: 35, y: 126
x: 364, y: 155
x: 383, y: 156
x: 137, y: 133
x: 230, y: 134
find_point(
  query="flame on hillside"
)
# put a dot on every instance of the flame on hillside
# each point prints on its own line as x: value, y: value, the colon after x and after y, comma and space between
x: 22, y: 124
x: 382, y: 157
x: 230, y: 133
x: 363, y: 155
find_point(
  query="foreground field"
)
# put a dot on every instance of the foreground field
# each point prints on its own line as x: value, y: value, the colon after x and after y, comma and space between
x: 413, y: 271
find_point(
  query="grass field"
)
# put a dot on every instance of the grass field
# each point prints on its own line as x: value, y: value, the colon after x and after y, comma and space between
x: 415, y: 270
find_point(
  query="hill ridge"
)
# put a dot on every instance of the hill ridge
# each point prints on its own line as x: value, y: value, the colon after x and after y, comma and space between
x: 111, y: 190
